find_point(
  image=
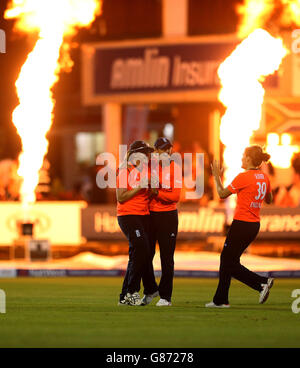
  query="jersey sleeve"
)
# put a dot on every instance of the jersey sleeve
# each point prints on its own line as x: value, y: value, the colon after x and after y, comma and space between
x: 238, y: 183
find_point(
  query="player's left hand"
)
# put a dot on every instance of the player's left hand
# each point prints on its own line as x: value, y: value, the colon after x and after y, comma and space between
x: 215, y: 168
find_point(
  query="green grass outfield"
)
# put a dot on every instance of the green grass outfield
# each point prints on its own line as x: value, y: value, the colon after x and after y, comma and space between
x: 83, y: 312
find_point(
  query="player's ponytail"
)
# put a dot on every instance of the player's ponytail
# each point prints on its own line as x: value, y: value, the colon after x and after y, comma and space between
x: 265, y: 157
x: 257, y: 155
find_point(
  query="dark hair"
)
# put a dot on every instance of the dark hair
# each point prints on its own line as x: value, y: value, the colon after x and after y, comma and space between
x: 162, y: 143
x: 296, y: 162
x: 257, y: 155
x: 140, y: 147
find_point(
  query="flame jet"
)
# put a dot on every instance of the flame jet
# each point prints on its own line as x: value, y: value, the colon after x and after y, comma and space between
x: 258, y: 55
x: 242, y: 93
x: 52, y: 23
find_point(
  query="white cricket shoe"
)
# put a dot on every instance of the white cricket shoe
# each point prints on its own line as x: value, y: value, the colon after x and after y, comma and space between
x: 123, y: 302
x: 264, y: 294
x: 133, y: 299
x: 147, y: 299
x: 163, y: 303
x: 213, y: 305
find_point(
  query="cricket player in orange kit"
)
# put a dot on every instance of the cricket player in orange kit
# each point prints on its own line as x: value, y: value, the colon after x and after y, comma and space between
x: 164, y: 218
x: 252, y: 188
x: 134, y: 221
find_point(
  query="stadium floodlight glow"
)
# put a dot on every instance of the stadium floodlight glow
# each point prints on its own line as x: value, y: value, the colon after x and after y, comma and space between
x: 281, y: 149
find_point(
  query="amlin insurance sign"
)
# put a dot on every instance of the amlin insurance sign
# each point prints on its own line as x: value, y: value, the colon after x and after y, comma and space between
x: 154, y: 70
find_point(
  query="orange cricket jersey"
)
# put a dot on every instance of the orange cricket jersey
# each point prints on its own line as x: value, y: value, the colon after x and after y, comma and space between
x: 251, y: 188
x: 168, y: 194
x: 139, y: 204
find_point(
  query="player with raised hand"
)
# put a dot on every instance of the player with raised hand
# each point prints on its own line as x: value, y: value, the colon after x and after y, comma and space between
x: 252, y: 188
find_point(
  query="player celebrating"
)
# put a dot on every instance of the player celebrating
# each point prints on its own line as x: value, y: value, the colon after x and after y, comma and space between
x: 133, y: 218
x: 164, y: 218
x: 252, y: 188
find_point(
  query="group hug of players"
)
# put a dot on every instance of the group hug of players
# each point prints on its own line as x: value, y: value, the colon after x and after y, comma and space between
x: 147, y: 214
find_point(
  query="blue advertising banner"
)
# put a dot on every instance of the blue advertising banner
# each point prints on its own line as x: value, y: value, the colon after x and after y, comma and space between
x: 164, y: 68
x: 157, y: 70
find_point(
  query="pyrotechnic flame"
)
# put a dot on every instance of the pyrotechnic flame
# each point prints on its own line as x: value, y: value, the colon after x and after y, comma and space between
x: 241, y: 74
x: 242, y: 93
x: 254, y: 15
x: 277, y: 14
x: 291, y: 13
x: 267, y: 13
x: 52, y: 22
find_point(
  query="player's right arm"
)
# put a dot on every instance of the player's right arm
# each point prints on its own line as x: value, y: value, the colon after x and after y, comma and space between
x: 269, y: 195
x: 269, y: 198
